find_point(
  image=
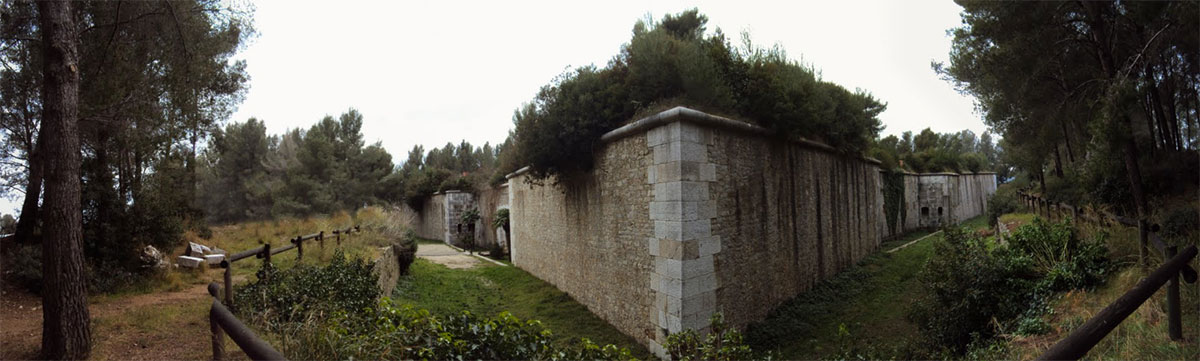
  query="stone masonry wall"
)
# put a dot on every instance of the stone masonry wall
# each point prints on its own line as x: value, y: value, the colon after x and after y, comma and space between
x: 457, y: 202
x: 430, y: 221
x: 687, y: 214
x: 588, y: 236
x: 788, y: 216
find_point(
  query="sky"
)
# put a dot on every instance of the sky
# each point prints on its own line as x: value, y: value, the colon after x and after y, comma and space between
x: 432, y: 72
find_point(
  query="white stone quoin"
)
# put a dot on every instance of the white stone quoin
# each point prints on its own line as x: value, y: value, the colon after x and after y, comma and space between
x: 684, y: 280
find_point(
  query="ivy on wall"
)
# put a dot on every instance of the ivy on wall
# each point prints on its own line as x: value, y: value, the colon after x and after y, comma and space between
x: 893, y: 198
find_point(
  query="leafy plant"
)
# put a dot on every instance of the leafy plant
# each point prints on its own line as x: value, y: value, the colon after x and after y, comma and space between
x: 972, y: 293
x: 967, y: 287
x: 674, y: 62
x: 280, y: 296
x: 407, y: 249
x: 402, y: 332
x: 721, y: 343
x: 1004, y: 201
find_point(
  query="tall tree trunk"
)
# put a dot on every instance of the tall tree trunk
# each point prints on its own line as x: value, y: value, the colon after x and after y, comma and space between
x: 66, y: 332
x: 29, y: 208
x: 1067, y: 137
x: 1057, y: 162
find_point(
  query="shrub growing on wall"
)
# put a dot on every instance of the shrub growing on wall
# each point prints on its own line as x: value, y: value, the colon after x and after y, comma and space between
x: 672, y: 62
x: 893, y: 198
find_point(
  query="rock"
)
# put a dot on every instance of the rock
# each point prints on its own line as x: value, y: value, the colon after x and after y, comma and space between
x: 190, y: 262
x: 151, y: 257
x: 194, y: 250
x: 387, y: 268
x: 214, y: 258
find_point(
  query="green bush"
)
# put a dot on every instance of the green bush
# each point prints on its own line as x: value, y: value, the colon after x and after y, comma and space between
x: 1181, y: 225
x: 967, y: 287
x: 303, y: 292
x: 390, y: 332
x: 1004, y: 201
x: 672, y: 62
x: 971, y: 292
x: 23, y: 265
x: 1057, y: 251
x: 407, y: 250
x: 722, y: 343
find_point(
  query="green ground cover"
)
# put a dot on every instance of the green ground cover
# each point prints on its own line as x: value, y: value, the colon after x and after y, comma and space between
x: 487, y: 290
x: 861, y: 311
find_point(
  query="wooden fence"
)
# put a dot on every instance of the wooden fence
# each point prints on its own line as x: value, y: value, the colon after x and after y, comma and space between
x: 1082, y: 339
x: 220, y: 317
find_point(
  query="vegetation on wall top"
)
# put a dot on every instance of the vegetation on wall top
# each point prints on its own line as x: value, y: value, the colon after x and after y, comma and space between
x: 674, y: 61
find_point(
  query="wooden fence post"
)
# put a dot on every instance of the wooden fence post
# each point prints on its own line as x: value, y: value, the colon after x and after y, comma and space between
x: 1174, y: 317
x: 1143, y: 241
x: 229, y: 286
x: 218, y: 336
x: 299, y: 248
x: 266, y: 254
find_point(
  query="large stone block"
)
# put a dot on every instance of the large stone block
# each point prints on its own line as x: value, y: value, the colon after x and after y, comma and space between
x: 680, y: 151
x: 698, y: 267
x: 696, y: 285
x: 710, y: 246
x: 683, y: 250
x: 683, y: 230
x: 667, y: 267
x: 681, y: 191
x: 704, y: 303
x: 681, y: 210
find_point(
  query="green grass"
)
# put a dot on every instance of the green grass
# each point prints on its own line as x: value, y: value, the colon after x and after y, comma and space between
x: 377, y: 230
x: 1143, y: 335
x: 862, y: 308
x: 486, y: 290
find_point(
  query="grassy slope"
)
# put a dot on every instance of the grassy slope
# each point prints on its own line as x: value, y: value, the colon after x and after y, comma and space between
x: 161, y: 324
x: 486, y: 290
x: 1141, y: 336
x: 870, y: 299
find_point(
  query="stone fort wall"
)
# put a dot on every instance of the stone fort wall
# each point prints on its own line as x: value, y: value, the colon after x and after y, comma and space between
x: 958, y: 197
x: 686, y: 214
x: 439, y: 215
x: 588, y: 236
x: 789, y: 215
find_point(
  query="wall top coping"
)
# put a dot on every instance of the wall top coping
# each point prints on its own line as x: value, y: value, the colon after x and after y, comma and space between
x: 685, y: 114
x: 518, y: 172
x: 939, y: 173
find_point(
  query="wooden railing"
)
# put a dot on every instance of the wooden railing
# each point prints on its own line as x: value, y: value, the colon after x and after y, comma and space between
x: 221, y: 318
x: 1085, y: 337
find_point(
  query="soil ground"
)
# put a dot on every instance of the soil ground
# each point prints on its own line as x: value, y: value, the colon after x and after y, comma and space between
x: 152, y: 326
x: 446, y: 256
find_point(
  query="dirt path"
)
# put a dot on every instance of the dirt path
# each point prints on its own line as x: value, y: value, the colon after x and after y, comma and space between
x: 153, y: 326
x: 446, y: 256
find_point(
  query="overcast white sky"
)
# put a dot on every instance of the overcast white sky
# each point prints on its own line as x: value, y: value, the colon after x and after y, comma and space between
x: 432, y: 72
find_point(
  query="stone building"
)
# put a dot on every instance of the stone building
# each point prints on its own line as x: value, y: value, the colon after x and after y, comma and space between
x: 440, y: 216
x: 686, y: 214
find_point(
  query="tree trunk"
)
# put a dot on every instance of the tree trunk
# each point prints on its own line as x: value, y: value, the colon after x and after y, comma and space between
x: 65, y: 322
x: 1067, y: 138
x: 29, y: 208
x: 1057, y: 162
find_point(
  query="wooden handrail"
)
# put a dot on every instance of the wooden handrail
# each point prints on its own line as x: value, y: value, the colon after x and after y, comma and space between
x: 221, y: 319
x: 1082, y: 339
